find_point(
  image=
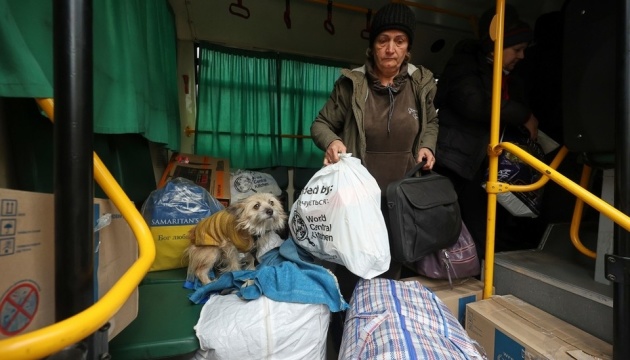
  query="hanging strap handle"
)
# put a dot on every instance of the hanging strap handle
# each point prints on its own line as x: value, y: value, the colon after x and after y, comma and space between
x: 239, y: 10
x: 328, y: 25
x: 287, y: 14
x: 417, y: 169
x: 365, y: 33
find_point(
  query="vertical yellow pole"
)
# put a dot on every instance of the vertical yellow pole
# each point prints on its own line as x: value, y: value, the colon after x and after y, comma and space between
x: 494, y: 140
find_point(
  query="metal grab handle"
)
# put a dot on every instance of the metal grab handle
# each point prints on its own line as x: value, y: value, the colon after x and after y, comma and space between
x: 365, y: 33
x: 241, y: 11
x: 328, y: 25
x: 287, y: 14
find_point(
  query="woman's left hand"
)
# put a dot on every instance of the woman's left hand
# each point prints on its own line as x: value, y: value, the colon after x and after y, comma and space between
x: 425, y: 154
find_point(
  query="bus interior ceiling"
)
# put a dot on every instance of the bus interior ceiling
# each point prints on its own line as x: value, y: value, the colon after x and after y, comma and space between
x: 440, y: 25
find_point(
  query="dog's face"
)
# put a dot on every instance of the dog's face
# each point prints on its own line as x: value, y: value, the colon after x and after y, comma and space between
x: 259, y: 213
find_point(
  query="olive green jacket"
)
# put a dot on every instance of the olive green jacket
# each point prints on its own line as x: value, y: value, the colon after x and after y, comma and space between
x: 341, y: 118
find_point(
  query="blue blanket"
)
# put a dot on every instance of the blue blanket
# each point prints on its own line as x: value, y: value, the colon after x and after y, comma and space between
x: 285, y: 274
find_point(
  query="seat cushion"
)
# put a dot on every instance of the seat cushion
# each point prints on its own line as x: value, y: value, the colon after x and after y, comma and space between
x: 165, y: 276
x: 164, y: 326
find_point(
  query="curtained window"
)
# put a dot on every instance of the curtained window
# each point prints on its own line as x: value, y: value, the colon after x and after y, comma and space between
x: 256, y: 108
x: 135, y: 63
x: 305, y: 89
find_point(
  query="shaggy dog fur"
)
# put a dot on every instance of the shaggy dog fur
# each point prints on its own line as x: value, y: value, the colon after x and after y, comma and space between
x: 225, y: 240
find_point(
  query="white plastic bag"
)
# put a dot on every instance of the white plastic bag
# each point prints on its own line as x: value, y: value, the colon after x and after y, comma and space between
x: 244, y: 183
x: 338, y: 218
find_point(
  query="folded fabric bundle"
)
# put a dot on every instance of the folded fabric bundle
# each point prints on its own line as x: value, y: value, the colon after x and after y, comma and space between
x: 391, y: 319
x: 285, y: 274
x: 261, y: 329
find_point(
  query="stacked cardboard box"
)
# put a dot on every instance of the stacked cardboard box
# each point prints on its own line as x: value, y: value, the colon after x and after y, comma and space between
x: 509, y: 328
x: 27, y: 261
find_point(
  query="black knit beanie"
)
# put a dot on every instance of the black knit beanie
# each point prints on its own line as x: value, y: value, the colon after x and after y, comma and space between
x: 515, y: 30
x: 516, y: 33
x: 393, y: 16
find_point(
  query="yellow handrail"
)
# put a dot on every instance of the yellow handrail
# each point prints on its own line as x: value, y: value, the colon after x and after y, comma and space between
x: 595, y: 202
x: 51, y: 339
x: 579, y: 204
x: 549, y: 172
x: 504, y: 187
x: 576, y: 220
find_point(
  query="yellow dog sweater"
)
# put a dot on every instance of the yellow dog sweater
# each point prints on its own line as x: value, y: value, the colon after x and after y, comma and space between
x: 220, y: 227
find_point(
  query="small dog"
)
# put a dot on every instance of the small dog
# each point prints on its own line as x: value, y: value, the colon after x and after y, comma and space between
x: 226, y: 239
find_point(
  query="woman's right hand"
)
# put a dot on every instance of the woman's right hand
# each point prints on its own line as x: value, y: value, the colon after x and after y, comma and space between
x: 532, y: 126
x: 332, y: 152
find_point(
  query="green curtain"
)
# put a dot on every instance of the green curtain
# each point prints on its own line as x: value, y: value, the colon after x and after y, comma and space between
x: 135, y: 68
x: 305, y: 87
x: 240, y: 93
x: 26, y: 66
x: 237, y: 115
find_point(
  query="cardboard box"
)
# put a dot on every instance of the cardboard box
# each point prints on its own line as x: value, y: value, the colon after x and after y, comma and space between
x: 213, y: 174
x: 509, y: 328
x: 27, y: 261
x: 455, y: 296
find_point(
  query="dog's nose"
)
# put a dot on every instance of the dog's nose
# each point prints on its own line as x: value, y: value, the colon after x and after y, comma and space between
x: 269, y: 212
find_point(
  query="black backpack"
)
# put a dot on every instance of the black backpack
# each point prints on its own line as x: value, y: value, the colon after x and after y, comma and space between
x: 424, y: 214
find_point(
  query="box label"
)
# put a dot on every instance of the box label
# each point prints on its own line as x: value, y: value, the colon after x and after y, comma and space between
x: 8, y: 214
x: 18, y: 307
x: 461, y: 308
x: 505, y: 348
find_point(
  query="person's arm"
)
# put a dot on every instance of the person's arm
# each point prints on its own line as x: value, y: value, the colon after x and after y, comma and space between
x: 516, y: 111
x: 532, y: 126
x: 329, y: 122
x: 428, y: 140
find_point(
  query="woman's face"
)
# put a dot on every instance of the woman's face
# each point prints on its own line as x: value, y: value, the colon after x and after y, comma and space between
x: 512, y: 55
x: 390, y: 49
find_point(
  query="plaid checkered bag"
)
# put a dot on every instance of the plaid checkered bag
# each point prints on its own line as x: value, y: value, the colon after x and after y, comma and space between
x: 391, y: 319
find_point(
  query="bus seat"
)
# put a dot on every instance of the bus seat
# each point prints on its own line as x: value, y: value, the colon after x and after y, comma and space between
x: 165, y: 276
x: 163, y: 328
x: 589, y: 99
x: 603, y: 161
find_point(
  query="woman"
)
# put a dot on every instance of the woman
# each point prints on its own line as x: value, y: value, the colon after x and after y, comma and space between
x: 382, y: 112
x: 464, y: 98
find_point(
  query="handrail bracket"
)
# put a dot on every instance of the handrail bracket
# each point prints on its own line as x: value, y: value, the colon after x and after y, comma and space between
x: 617, y: 268
x: 496, y: 187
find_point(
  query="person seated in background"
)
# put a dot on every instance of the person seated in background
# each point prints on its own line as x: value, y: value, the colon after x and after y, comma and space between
x: 464, y: 100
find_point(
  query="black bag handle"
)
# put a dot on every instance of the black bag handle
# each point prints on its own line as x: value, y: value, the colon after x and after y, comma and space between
x: 416, y: 169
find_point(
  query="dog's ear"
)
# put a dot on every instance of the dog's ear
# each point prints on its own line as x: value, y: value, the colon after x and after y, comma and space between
x: 236, y: 209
